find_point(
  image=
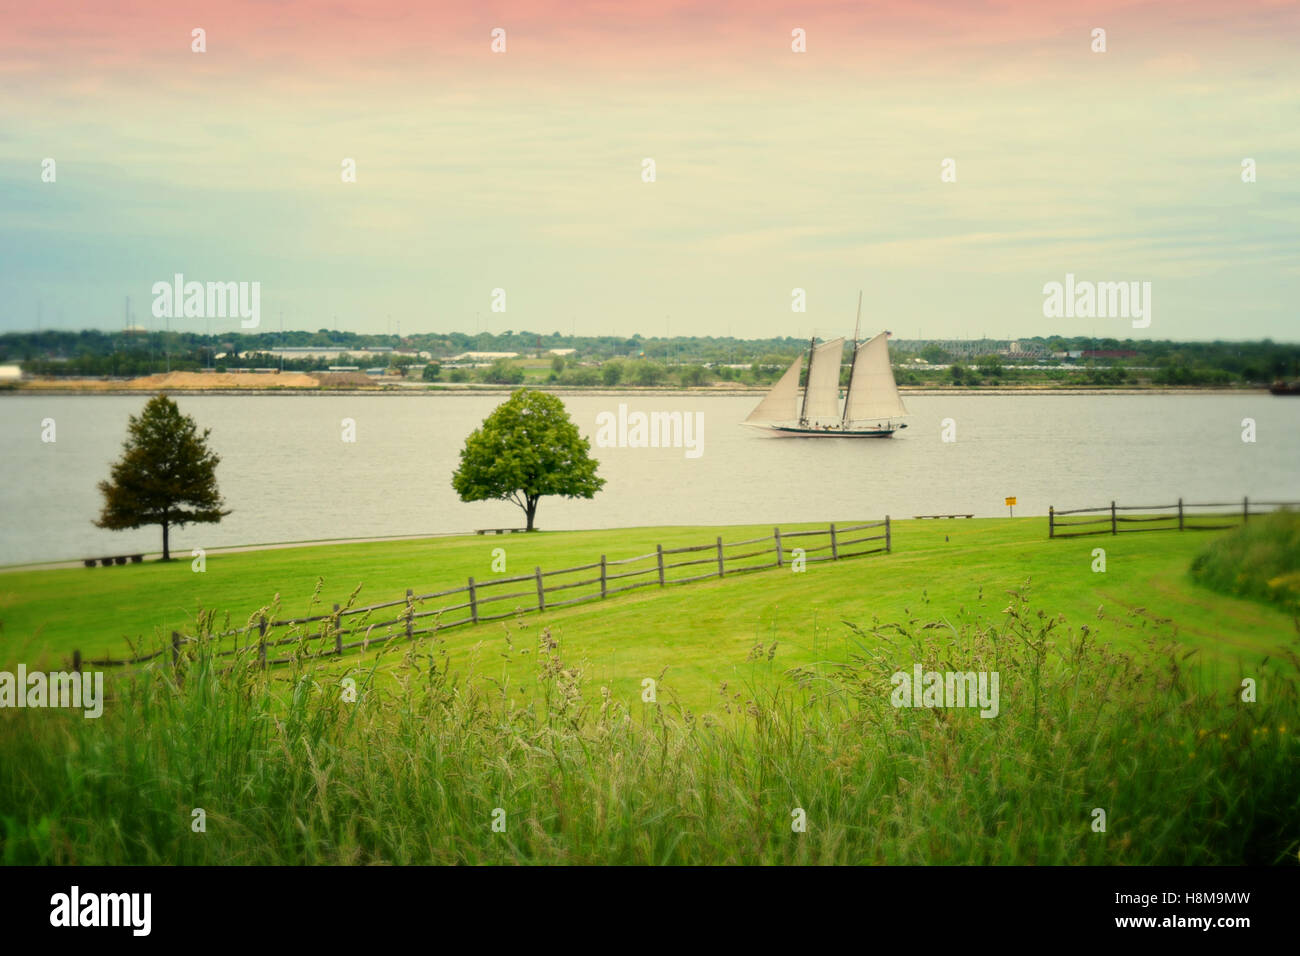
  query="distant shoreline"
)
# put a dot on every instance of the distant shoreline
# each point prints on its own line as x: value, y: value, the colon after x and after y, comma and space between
x: 29, y: 389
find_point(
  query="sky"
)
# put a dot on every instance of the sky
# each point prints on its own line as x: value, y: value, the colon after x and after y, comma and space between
x: 774, y: 170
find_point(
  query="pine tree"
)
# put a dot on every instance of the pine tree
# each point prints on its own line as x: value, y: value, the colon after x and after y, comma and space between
x: 166, y: 475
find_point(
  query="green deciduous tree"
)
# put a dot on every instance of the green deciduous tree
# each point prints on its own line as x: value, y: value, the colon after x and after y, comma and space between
x: 694, y: 375
x: 166, y: 476
x: 503, y: 372
x: 645, y: 373
x: 398, y: 364
x: 525, y: 449
x: 585, y: 377
x: 990, y: 366
x: 611, y: 372
x: 935, y: 354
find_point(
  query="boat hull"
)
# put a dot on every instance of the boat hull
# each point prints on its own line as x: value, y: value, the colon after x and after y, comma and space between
x: 802, y: 431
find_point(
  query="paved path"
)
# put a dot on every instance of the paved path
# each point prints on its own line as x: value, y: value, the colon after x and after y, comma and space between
x: 185, y: 554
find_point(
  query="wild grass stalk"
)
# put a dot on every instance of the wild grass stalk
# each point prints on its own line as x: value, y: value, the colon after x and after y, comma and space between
x: 416, y: 769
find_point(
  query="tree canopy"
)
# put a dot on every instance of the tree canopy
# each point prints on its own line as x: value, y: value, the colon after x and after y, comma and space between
x: 526, y: 449
x: 166, y: 476
x: 503, y: 372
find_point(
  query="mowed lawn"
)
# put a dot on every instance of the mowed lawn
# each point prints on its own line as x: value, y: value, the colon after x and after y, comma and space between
x: 690, y: 637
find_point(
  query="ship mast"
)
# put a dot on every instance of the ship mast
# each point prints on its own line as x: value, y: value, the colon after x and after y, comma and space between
x: 857, y: 327
x: 803, y: 408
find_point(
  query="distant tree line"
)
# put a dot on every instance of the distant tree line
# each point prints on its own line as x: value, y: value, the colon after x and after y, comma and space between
x: 636, y: 361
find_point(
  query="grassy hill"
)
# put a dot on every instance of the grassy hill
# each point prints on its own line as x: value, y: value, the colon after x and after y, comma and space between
x: 700, y: 633
x: 1122, y: 735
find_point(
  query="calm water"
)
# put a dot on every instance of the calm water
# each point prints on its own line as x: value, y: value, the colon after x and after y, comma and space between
x: 288, y: 476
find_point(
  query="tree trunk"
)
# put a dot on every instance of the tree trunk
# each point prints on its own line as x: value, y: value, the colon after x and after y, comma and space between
x: 531, y: 512
x: 166, y: 554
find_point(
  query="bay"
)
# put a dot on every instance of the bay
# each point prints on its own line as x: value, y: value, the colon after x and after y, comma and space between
x: 288, y: 475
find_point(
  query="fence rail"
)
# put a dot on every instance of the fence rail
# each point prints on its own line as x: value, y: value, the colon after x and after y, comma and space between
x: 1183, y: 516
x: 322, y: 635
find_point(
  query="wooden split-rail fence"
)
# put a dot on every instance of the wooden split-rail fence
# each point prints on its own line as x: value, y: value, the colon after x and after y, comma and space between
x: 1121, y: 519
x: 345, y: 629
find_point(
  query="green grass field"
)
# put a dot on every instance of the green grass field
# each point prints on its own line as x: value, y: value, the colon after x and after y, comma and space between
x: 700, y: 632
x: 773, y: 739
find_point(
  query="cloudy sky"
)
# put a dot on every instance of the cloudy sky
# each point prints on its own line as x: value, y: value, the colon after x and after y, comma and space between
x: 774, y: 170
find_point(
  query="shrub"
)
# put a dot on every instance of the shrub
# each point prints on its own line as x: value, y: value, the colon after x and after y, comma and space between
x: 1260, y: 560
x: 990, y: 366
x: 583, y: 376
x: 694, y: 375
x: 503, y: 372
x: 645, y: 373
x: 611, y: 372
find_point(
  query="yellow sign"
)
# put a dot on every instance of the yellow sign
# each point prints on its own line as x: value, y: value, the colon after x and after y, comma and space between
x: 1010, y: 502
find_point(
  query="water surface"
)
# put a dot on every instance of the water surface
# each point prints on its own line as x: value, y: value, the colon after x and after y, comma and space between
x: 288, y: 476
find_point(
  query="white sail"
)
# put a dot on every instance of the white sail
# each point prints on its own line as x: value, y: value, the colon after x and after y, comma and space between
x: 873, y: 393
x: 781, y: 404
x: 822, y: 401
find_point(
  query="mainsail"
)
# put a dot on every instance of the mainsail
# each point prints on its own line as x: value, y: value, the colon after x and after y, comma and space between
x: 781, y: 404
x: 873, y: 393
x: 821, y: 403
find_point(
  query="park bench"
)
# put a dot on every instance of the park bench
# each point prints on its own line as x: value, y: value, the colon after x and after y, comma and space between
x: 499, y: 530
x: 119, y: 559
x: 943, y: 516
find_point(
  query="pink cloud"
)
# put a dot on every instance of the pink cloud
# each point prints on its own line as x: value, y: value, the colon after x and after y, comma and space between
x: 603, y: 36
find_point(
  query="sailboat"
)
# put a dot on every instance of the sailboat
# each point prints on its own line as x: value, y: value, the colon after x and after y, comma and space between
x: 870, y: 406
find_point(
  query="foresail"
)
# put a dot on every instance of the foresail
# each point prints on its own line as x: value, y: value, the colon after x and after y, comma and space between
x: 822, y: 404
x: 781, y: 404
x: 873, y: 393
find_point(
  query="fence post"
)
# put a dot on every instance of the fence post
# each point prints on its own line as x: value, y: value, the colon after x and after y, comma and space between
x: 1180, y: 514
x: 602, y: 577
x: 1051, y: 521
x: 887, y: 534
x: 410, y: 610
x: 1245, y: 510
x: 720, y: 569
x: 835, y: 549
x: 176, y: 647
x: 661, y: 564
x: 473, y: 602
x: 780, y: 558
x: 261, y: 640
x: 541, y: 591
x: 338, y: 631
x: 76, y: 661
x: 1114, y: 528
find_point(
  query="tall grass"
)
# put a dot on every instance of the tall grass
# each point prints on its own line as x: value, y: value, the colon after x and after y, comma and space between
x: 287, y: 771
x: 1261, y: 560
